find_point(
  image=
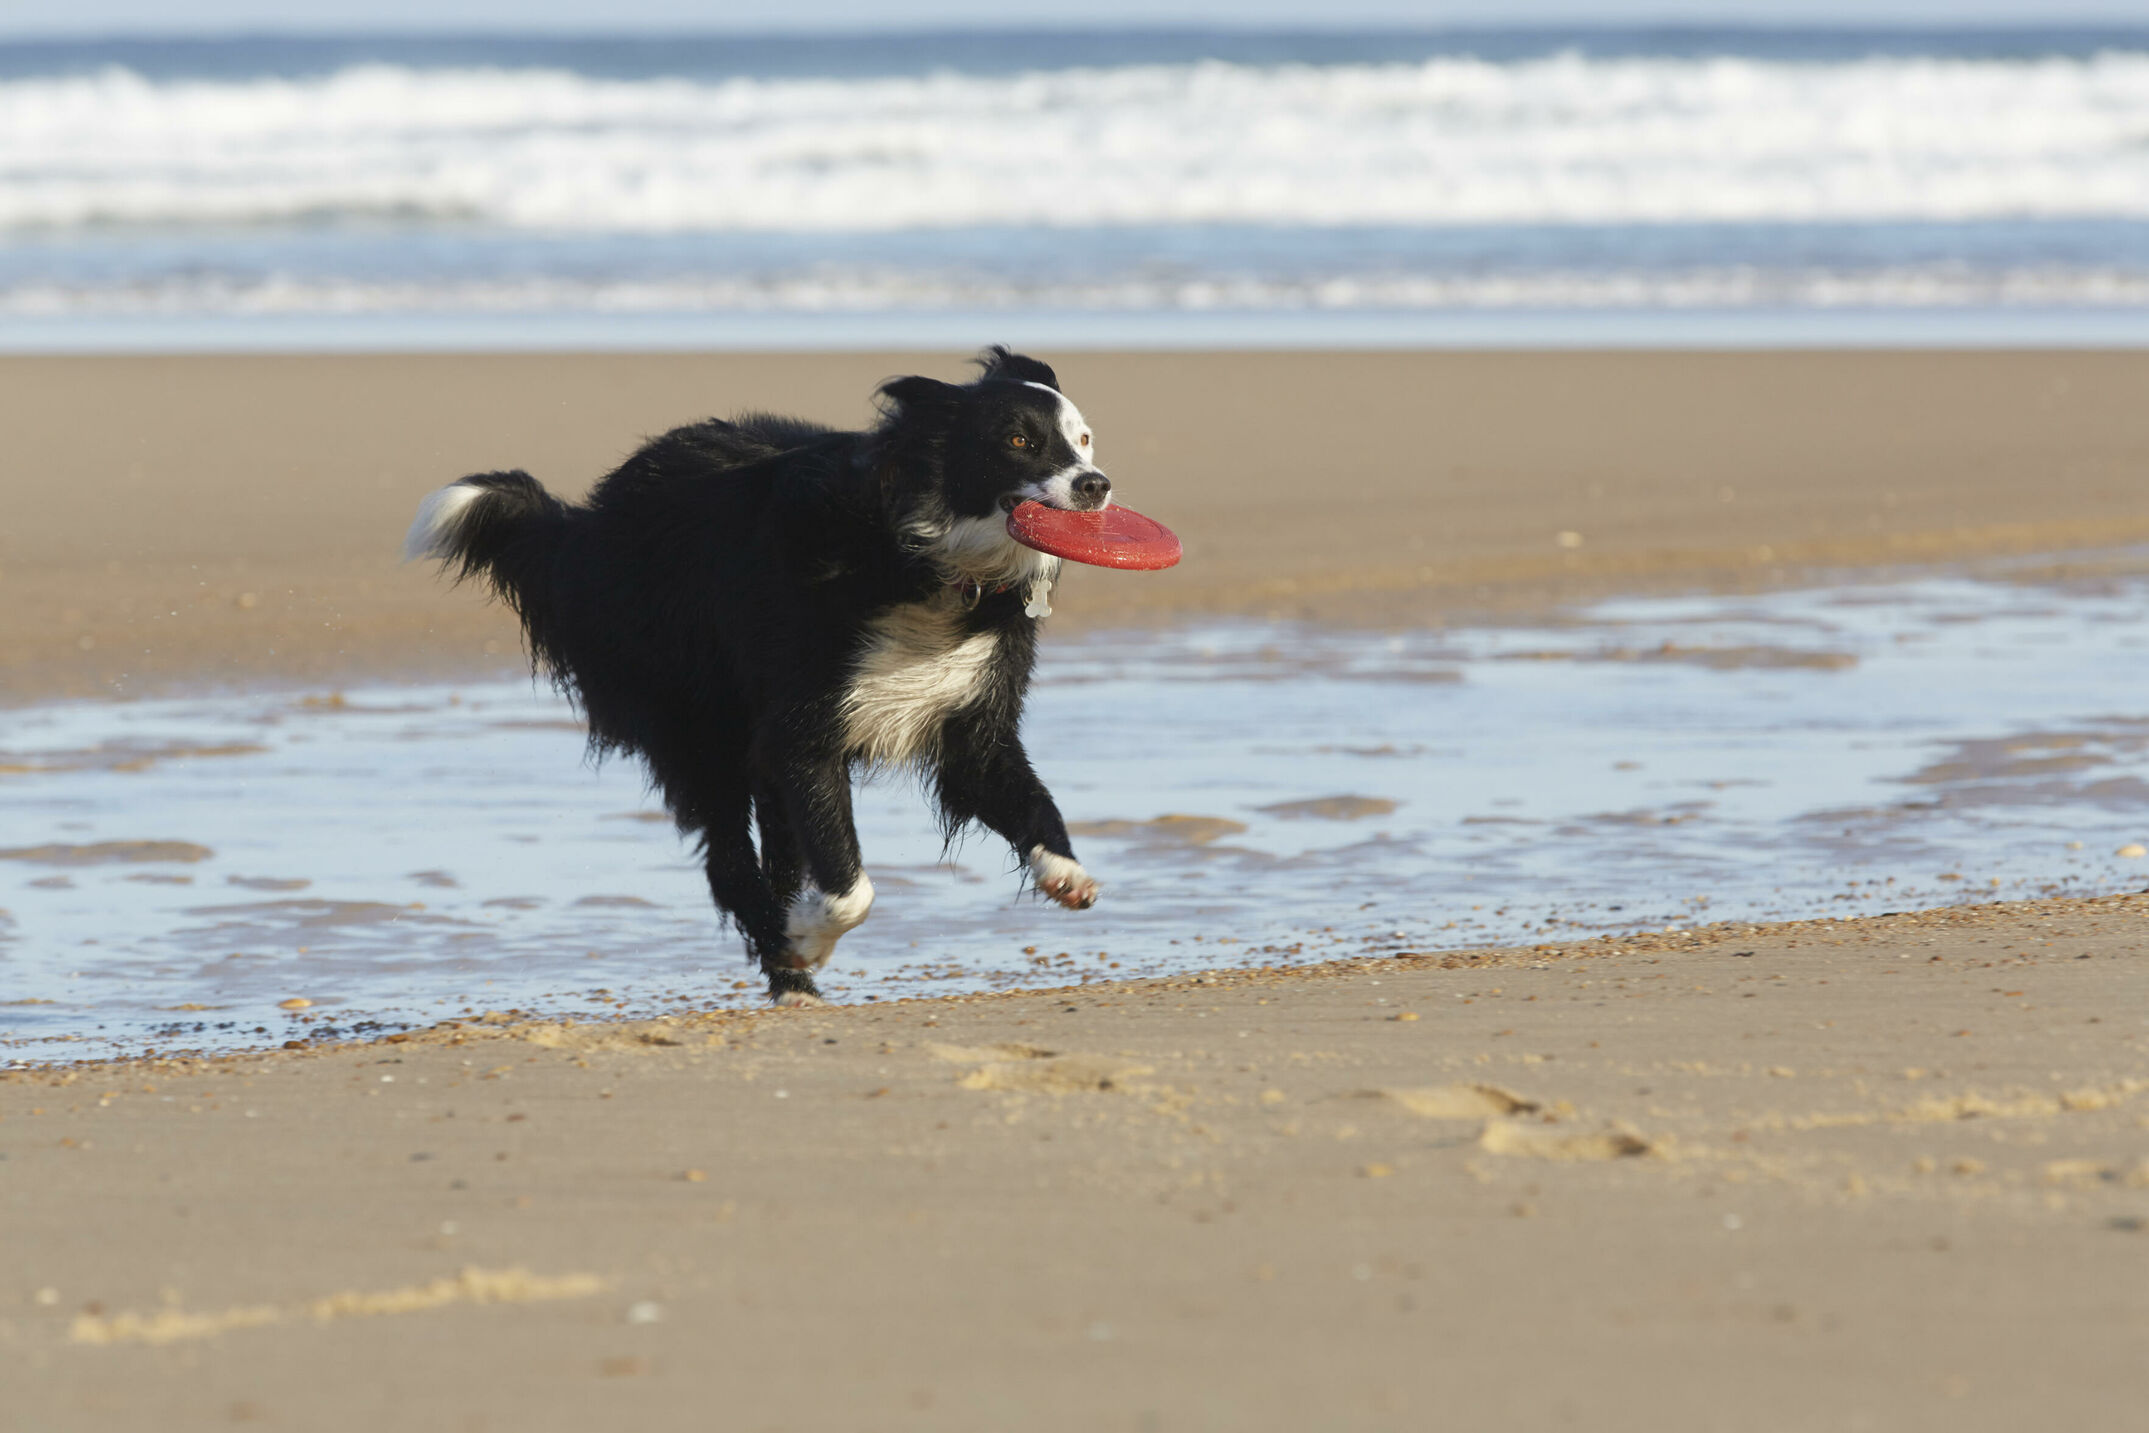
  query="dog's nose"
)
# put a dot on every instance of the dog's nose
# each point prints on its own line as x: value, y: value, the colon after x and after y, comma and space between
x: 1092, y: 488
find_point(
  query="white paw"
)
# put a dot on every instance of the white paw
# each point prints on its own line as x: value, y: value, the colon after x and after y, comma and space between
x: 796, y: 998
x: 1063, y: 880
x: 817, y: 921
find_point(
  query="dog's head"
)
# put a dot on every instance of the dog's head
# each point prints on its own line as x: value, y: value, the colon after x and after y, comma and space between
x: 957, y: 458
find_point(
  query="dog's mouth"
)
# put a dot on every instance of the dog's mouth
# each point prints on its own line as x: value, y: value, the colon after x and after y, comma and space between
x: 1015, y: 500
x: 1010, y: 501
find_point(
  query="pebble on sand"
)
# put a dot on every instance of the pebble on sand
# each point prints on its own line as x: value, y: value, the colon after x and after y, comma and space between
x: 2133, y: 851
x: 296, y: 1002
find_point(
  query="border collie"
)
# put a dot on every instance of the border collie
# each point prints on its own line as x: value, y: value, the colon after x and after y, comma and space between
x: 761, y: 608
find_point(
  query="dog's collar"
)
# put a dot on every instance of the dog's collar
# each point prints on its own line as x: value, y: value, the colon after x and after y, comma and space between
x: 1037, y: 605
x: 972, y: 591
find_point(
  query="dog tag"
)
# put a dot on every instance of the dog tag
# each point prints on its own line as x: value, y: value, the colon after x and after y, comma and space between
x: 1040, y: 600
x: 1109, y: 537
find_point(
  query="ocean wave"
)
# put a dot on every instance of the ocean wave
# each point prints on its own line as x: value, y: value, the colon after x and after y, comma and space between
x: 870, y: 290
x: 1566, y: 139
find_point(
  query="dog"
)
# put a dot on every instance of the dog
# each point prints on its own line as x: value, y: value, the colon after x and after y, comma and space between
x: 763, y: 609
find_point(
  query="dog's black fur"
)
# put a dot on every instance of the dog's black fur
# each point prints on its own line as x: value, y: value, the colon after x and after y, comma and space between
x: 758, y: 608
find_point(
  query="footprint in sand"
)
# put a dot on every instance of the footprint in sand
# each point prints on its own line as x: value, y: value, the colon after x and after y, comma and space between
x: 640, y: 1036
x: 1453, y: 1102
x: 1026, y: 1067
x: 1502, y: 1134
x: 1534, y: 1141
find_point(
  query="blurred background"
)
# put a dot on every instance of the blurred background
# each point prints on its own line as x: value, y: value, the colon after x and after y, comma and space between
x: 832, y: 174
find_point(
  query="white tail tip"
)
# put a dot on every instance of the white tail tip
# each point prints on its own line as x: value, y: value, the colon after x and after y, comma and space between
x: 432, y: 533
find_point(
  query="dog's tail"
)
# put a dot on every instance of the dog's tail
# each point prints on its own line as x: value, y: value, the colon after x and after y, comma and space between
x: 503, y: 527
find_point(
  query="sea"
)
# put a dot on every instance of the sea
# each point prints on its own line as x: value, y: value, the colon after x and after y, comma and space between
x: 1140, y: 187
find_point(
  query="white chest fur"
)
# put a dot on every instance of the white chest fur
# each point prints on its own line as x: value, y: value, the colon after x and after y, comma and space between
x: 917, y: 668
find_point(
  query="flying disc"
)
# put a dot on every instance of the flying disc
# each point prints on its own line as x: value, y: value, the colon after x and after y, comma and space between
x: 1109, y: 537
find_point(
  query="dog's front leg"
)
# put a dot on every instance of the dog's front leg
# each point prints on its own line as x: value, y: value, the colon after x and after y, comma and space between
x: 816, y: 797
x: 986, y: 776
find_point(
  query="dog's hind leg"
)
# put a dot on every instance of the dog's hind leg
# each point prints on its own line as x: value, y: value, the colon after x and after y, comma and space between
x: 716, y: 802
x: 781, y: 863
x: 706, y: 784
x: 812, y: 806
x: 739, y: 888
x: 782, y: 868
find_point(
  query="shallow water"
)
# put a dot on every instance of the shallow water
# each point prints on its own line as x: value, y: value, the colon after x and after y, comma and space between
x: 1249, y: 793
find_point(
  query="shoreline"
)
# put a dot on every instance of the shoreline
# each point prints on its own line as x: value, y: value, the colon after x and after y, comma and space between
x: 515, y: 1023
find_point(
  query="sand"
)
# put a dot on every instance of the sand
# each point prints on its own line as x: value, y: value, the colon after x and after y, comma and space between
x: 236, y: 519
x: 1882, y: 1174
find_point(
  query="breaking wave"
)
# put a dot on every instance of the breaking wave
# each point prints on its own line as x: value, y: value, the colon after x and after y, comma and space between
x: 1450, y: 141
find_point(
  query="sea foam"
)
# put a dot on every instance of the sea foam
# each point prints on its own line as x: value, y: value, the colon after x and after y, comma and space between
x: 1565, y: 139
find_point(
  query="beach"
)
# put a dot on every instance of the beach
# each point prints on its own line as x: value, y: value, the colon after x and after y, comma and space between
x: 1885, y: 1173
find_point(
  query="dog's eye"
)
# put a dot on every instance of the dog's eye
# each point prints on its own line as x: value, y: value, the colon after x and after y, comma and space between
x: 1019, y: 441
x: 1085, y: 440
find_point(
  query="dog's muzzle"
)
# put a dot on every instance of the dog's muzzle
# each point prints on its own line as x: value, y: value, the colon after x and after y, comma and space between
x: 1092, y: 489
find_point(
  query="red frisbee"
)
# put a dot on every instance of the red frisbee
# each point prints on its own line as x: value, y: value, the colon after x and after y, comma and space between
x: 1109, y: 537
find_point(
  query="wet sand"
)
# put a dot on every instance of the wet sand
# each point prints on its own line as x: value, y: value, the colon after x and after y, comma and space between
x: 1881, y: 1174
x: 1887, y: 1174
x: 235, y: 519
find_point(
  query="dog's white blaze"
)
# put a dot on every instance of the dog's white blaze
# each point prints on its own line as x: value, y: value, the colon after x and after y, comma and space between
x: 917, y: 669
x: 432, y: 532
x: 1058, y: 490
x: 1072, y: 424
x: 1050, y: 870
x: 816, y: 921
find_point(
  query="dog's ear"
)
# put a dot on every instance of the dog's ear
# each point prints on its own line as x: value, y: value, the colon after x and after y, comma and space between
x: 999, y: 362
x: 917, y: 397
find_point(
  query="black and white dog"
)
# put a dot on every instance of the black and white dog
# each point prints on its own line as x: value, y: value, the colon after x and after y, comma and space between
x: 761, y: 608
